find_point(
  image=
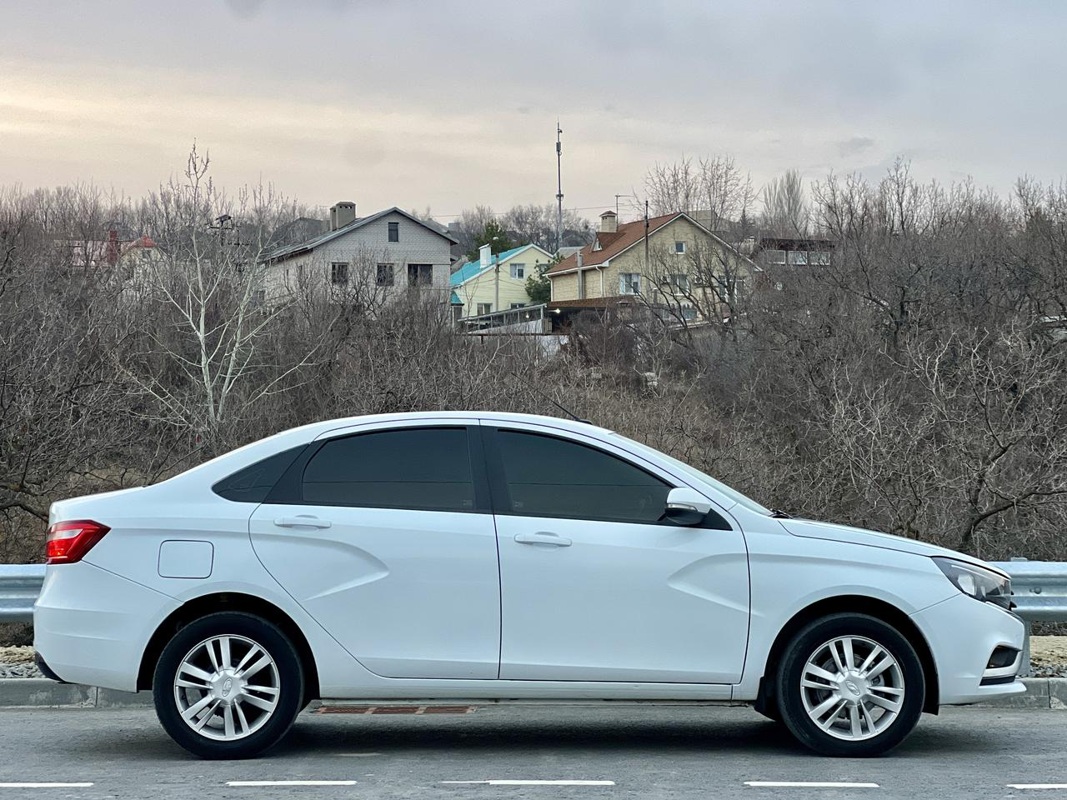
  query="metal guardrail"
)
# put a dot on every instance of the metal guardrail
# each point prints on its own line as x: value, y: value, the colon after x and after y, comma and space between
x: 1040, y: 589
x: 19, y: 586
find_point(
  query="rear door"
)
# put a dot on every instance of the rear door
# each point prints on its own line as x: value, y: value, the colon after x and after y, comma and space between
x: 385, y: 538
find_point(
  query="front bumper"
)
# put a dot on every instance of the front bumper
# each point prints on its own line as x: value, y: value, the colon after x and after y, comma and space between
x: 964, y: 634
x: 91, y: 626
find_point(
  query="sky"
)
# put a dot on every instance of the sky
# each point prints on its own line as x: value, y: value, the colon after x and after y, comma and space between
x: 448, y: 104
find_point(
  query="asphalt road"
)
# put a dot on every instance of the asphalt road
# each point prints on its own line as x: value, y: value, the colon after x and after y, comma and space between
x: 627, y: 752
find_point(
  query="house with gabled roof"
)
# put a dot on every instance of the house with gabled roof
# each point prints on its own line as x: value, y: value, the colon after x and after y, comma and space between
x: 496, y: 282
x: 370, y: 259
x: 670, y: 262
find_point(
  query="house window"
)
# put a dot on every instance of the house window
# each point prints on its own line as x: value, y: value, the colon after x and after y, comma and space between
x: 680, y: 282
x: 394, y: 231
x: 513, y: 306
x: 797, y: 258
x: 688, y: 313
x: 420, y: 274
x: 339, y: 273
x: 260, y: 297
x: 385, y: 275
x: 518, y: 271
x: 629, y: 283
x: 819, y: 259
x: 679, y: 247
x: 485, y: 308
x: 776, y: 256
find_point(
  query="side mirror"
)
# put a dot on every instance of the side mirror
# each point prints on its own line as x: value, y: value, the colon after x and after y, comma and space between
x: 686, y: 506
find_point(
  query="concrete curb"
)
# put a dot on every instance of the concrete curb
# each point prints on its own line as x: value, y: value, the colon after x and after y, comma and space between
x: 1041, y: 693
x: 43, y: 693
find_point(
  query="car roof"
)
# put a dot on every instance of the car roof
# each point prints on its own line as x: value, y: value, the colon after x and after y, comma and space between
x: 226, y: 463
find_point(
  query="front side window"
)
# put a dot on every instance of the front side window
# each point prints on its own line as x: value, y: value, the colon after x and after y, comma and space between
x: 423, y: 469
x: 545, y: 476
x: 485, y: 308
x: 679, y: 247
x: 339, y: 273
x: 394, y: 231
x: 518, y: 271
x: 680, y: 282
x: 385, y: 275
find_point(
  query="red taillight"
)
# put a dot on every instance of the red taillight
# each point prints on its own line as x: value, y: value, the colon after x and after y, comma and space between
x: 69, y: 541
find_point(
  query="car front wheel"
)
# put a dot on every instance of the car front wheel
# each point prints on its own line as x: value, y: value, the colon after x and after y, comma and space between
x: 228, y: 685
x: 850, y: 685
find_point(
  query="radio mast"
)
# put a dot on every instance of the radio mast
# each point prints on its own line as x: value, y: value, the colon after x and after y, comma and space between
x: 559, y: 188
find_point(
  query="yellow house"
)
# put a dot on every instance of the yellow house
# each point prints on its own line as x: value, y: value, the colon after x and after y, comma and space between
x: 669, y: 263
x: 495, y: 283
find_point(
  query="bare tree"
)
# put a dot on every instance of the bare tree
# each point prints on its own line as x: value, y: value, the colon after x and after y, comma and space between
x: 785, y: 207
x: 203, y: 364
x: 714, y: 191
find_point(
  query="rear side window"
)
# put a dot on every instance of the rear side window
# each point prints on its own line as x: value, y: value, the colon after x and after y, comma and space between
x: 550, y: 477
x: 253, y: 483
x: 425, y: 469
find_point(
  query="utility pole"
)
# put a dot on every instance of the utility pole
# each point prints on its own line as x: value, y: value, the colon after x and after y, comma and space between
x: 617, y: 204
x: 559, y: 188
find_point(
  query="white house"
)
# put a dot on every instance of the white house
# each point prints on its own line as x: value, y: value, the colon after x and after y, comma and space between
x: 371, y: 259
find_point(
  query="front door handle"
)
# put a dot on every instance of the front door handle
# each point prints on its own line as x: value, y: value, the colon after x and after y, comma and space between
x: 543, y: 537
x: 302, y: 522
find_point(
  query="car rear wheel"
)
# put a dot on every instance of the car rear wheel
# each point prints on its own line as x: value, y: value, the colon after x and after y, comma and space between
x: 850, y: 685
x: 228, y: 685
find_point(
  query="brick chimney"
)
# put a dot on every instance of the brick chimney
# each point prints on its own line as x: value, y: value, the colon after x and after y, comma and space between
x: 342, y: 214
x: 111, y: 255
x: 609, y: 222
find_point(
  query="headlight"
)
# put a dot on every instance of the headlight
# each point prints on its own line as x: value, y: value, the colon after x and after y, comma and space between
x: 981, y: 584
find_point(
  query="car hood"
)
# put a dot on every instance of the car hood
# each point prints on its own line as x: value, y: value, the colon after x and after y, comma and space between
x: 811, y: 529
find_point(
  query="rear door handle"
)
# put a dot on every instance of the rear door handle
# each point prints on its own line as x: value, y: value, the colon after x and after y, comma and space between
x: 543, y: 537
x: 302, y: 522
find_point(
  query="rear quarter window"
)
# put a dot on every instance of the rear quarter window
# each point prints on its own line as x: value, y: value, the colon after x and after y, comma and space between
x: 253, y: 483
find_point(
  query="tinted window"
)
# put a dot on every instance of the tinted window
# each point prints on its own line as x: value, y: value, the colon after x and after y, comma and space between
x: 549, y: 477
x: 253, y: 483
x: 425, y: 468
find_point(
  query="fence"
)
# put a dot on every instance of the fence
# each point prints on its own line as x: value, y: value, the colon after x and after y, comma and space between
x: 19, y: 586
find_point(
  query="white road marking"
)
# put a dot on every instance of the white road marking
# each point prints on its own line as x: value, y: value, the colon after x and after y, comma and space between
x: 356, y: 755
x: 535, y: 783
x: 289, y: 783
x: 39, y: 785
x: 1037, y: 785
x: 809, y: 785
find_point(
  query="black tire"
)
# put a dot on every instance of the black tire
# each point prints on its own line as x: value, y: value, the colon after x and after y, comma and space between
x: 852, y: 696
x: 262, y: 702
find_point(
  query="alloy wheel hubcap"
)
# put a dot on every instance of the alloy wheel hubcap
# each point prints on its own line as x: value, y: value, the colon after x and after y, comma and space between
x: 852, y: 688
x: 227, y: 688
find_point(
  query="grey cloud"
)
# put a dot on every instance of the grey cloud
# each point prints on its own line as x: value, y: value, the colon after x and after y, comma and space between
x: 854, y: 145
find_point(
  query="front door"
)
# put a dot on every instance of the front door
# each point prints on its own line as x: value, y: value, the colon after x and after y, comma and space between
x: 593, y: 586
x: 390, y: 546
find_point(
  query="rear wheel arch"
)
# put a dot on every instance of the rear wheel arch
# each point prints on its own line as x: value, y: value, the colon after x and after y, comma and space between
x: 766, y: 702
x: 228, y: 601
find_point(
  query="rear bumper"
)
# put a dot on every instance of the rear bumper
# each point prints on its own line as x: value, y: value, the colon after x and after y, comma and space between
x: 964, y: 634
x: 91, y: 626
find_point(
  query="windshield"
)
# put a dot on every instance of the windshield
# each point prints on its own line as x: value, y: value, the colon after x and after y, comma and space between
x: 719, y: 486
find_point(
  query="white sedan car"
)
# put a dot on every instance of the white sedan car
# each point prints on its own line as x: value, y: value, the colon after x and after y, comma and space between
x: 434, y: 557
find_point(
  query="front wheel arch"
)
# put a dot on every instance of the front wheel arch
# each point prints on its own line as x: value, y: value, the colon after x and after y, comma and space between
x: 228, y: 601
x: 849, y: 604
